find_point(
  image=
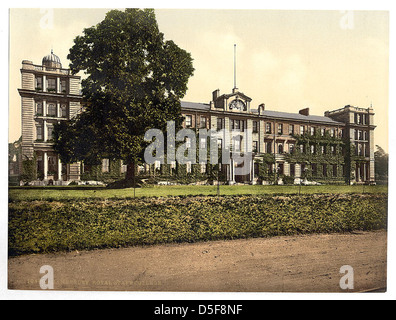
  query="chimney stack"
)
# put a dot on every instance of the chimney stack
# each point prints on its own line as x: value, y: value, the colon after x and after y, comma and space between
x: 304, y: 112
x: 261, y: 108
x: 216, y: 94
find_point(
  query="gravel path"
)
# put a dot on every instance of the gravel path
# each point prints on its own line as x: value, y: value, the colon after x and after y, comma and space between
x: 309, y: 263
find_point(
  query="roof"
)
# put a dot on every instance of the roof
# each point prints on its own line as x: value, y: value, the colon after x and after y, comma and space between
x: 195, y: 106
x: 267, y: 113
x: 297, y: 116
x: 51, y: 58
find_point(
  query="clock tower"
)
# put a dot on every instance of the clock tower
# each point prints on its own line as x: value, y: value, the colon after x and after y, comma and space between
x: 236, y: 102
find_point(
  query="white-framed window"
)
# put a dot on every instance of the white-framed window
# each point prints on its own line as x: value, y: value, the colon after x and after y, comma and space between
x: 39, y: 108
x: 51, y: 109
x: 50, y: 130
x: 39, y: 132
x: 202, y: 122
x: 64, y: 111
x: 39, y: 83
x: 268, y: 127
x: 188, y: 121
x: 51, y: 84
x: 302, y: 130
x: 63, y: 86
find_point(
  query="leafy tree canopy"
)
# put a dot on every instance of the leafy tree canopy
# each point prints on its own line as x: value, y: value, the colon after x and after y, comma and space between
x: 134, y: 81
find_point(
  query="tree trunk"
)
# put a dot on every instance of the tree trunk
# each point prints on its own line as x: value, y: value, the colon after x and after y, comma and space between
x: 131, y: 171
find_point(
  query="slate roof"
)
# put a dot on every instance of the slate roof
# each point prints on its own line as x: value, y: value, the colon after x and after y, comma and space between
x: 268, y: 113
x: 195, y: 106
x: 297, y: 116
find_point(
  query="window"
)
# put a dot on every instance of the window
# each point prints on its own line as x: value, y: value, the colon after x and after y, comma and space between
x: 51, y: 84
x: 202, y: 122
x: 268, y: 127
x: 51, y: 110
x: 323, y: 132
x: 219, y: 123
x: 63, y: 88
x: 188, y: 142
x: 312, y: 149
x: 280, y: 148
x: 302, y: 130
x: 39, y: 83
x: 39, y: 132
x: 366, y: 136
x: 237, y: 124
x: 302, y: 148
x: 255, y: 126
x: 188, y: 121
x: 291, y: 148
x: 202, y: 143
x: 105, y: 165
x: 332, y: 133
x: 333, y: 150
x: 39, y: 108
x: 312, y: 131
x: 64, y: 111
x: 50, y: 129
x: 322, y: 149
x: 291, y: 129
x: 255, y: 146
x: 268, y: 147
x: 280, y: 128
x: 237, y: 143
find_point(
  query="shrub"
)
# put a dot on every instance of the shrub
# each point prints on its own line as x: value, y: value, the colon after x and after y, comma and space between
x: 51, y: 226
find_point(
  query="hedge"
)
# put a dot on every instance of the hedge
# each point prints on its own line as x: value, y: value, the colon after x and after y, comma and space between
x: 53, y: 226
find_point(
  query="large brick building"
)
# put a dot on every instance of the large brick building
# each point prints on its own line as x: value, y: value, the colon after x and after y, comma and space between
x: 336, y: 147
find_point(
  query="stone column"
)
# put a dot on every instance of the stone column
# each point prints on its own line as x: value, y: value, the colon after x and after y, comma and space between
x: 44, y: 83
x: 45, y: 131
x: 45, y: 158
x: 59, y: 170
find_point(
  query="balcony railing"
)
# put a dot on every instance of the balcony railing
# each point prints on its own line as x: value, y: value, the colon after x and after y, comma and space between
x: 53, y: 70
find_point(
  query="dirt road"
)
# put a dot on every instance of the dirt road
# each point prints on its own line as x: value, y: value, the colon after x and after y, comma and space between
x: 281, y: 264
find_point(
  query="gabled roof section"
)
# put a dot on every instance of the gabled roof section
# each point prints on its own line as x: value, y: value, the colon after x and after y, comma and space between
x: 240, y: 94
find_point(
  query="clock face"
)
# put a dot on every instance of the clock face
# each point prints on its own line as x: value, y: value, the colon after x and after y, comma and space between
x: 237, y: 105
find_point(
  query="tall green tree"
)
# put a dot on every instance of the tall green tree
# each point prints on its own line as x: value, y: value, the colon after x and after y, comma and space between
x: 381, y: 164
x: 135, y: 80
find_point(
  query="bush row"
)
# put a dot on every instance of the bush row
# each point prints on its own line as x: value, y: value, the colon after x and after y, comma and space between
x: 52, y: 226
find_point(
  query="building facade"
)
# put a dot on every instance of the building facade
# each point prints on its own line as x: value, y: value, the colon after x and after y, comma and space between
x: 294, y: 147
x: 49, y: 94
x: 284, y: 147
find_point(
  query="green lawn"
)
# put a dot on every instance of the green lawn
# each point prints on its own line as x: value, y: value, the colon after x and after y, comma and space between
x: 57, y: 193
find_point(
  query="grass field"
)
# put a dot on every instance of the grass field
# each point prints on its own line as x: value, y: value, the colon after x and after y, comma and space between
x: 57, y: 193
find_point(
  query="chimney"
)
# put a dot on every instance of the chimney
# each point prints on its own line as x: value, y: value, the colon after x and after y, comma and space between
x: 261, y: 108
x: 216, y: 94
x: 304, y: 112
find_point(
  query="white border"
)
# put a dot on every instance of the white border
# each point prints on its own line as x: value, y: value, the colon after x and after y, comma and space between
x: 6, y: 294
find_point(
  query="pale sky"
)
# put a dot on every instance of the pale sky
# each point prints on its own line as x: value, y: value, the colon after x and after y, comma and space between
x: 288, y: 60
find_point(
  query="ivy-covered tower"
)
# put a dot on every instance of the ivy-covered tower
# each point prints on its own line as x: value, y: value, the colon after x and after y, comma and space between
x: 359, y: 130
